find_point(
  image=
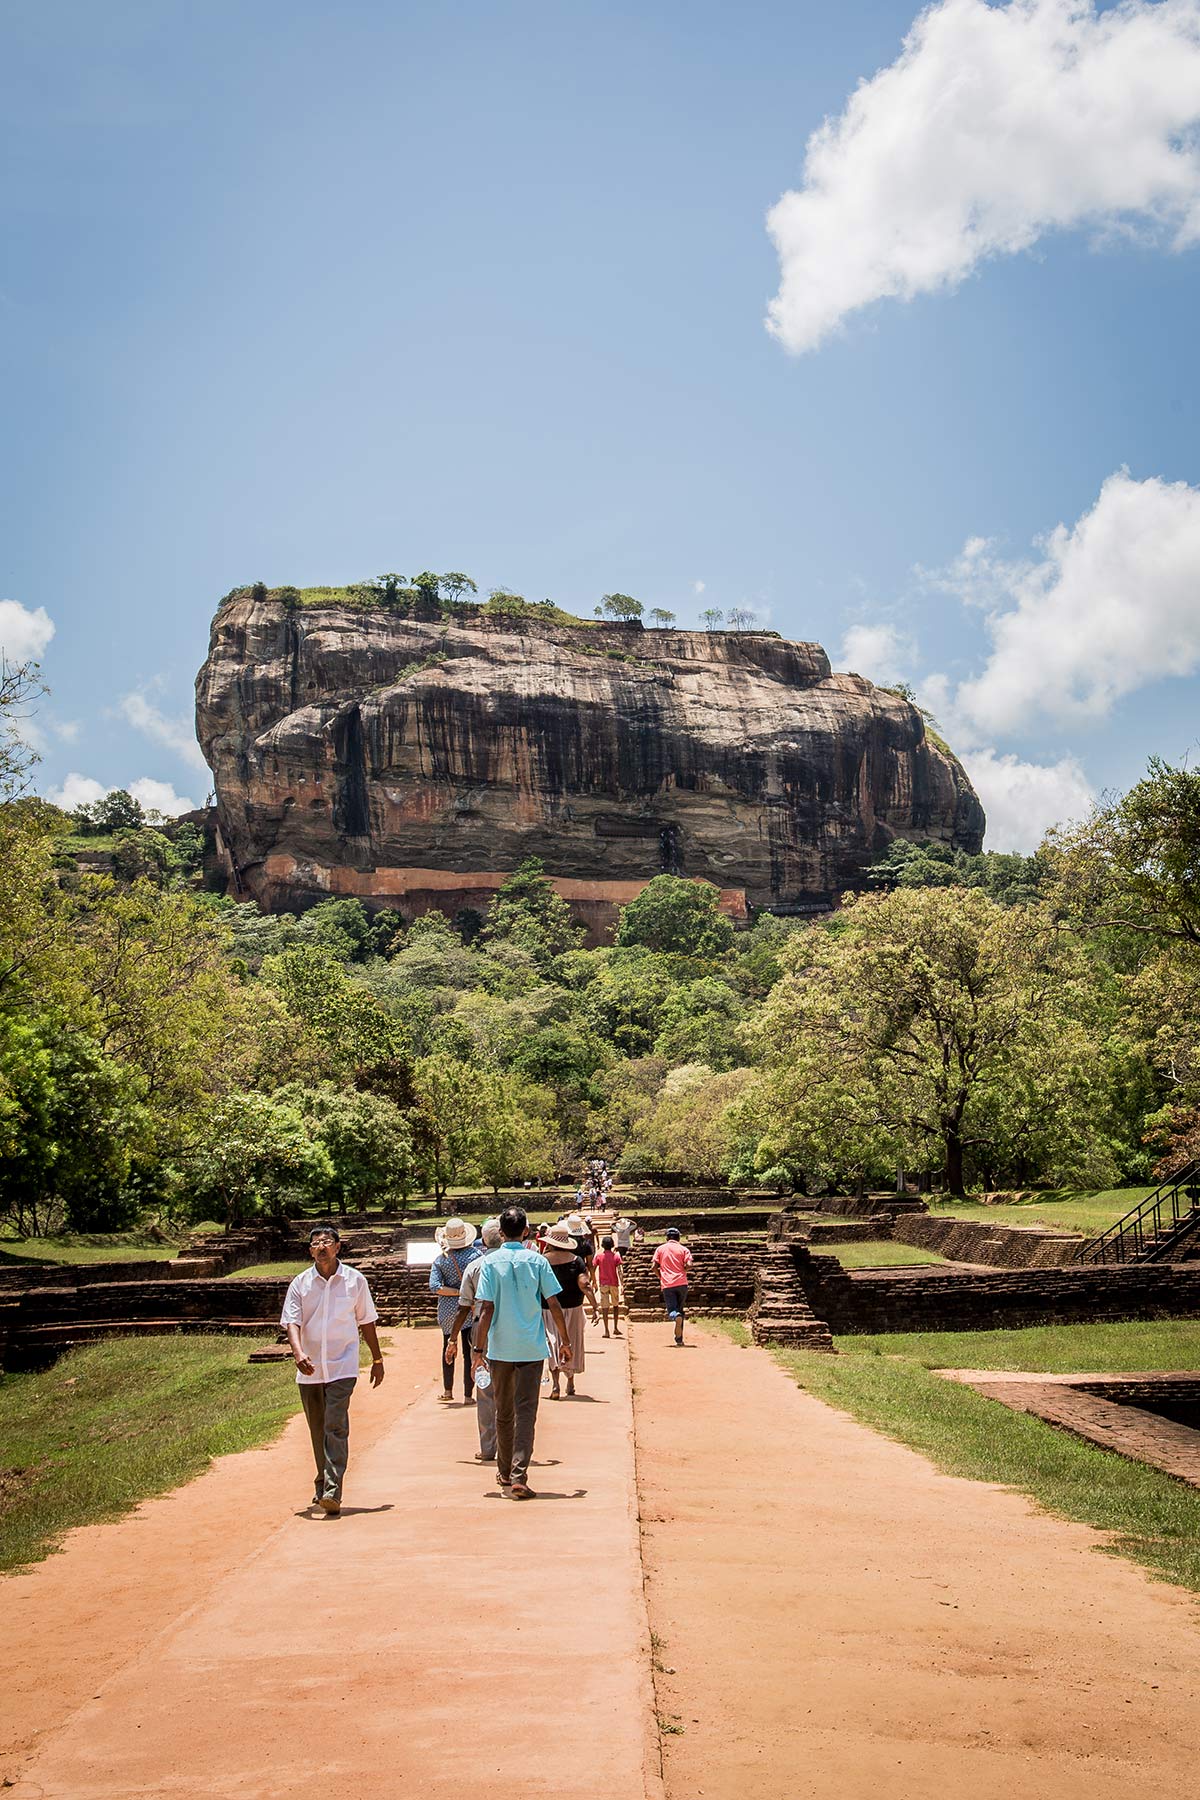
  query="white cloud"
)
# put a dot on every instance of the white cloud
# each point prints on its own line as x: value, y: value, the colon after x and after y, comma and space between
x: 77, y: 790
x: 24, y: 633
x: 66, y: 729
x: 155, y: 796
x: 1111, y: 603
x: 995, y: 126
x: 160, y: 796
x: 880, y: 652
x: 698, y: 587
x: 177, y: 734
x: 1022, y: 799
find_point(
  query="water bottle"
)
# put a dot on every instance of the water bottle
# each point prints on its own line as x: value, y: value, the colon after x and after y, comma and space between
x: 483, y: 1377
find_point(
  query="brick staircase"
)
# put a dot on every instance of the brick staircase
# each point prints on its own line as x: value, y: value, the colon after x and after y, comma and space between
x: 780, y: 1313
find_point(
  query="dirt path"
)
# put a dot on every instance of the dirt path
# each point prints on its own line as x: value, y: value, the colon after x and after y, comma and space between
x: 836, y: 1619
x: 435, y: 1639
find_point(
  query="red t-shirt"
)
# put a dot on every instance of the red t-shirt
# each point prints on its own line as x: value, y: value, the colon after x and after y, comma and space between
x: 608, y: 1266
x: 672, y: 1260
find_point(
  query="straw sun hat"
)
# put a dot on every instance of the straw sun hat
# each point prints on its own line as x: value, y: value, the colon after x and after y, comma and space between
x: 456, y: 1234
x: 558, y: 1238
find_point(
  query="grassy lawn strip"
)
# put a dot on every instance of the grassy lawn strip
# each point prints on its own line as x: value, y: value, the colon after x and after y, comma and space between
x: 280, y: 1271
x: 886, y: 1382
x: 79, y: 1248
x: 111, y: 1424
x: 1059, y: 1209
x: 882, y: 1254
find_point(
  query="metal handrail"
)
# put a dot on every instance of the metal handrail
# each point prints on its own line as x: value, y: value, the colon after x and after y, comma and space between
x: 1143, y: 1227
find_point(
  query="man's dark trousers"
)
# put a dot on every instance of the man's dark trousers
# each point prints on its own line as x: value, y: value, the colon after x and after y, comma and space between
x: 327, y: 1408
x: 518, y: 1387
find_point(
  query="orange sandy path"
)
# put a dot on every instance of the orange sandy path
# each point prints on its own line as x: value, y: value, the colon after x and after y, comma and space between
x: 842, y: 1621
x: 436, y: 1639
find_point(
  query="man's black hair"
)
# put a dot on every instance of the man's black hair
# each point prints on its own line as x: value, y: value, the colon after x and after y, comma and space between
x: 606, y: 1243
x: 513, y: 1222
x: 323, y: 1225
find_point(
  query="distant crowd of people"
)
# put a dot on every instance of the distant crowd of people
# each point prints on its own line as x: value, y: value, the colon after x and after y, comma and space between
x: 511, y: 1302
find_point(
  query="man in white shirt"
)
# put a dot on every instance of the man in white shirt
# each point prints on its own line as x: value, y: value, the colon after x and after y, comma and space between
x: 325, y: 1309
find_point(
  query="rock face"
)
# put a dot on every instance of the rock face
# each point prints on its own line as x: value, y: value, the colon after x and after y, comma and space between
x: 361, y: 753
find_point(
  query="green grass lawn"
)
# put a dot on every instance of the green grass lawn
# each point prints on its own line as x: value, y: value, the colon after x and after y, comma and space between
x: 281, y: 1271
x: 877, y: 1254
x: 887, y: 1382
x: 110, y: 1424
x: 1060, y: 1209
x: 80, y: 1247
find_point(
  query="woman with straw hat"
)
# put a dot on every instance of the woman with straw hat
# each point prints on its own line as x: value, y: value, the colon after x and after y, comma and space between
x: 558, y: 1247
x: 458, y: 1251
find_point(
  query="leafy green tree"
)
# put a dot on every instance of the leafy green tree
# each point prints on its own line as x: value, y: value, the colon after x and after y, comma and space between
x: 256, y: 1152
x: 445, y: 1119
x: 514, y: 1130
x: 501, y: 604
x: 141, y: 855
x: 528, y: 912
x: 623, y: 1003
x: 711, y: 617
x: 366, y: 1138
x: 671, y: 914
x: 70, y: 1128
x: 620, y: 606
x: 359, y: 1040
x: 660, y: 617
x: 119, y: 811
x: 1134, y: 865
x: 935, y: 1023
x: 455, y: 587
x: 701, y: 1023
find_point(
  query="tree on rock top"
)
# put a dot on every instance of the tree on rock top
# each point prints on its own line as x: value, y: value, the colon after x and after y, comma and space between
x: 673, y: 914
x: 619, y: 606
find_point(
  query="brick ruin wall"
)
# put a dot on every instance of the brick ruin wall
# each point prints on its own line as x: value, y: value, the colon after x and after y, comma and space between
x: 853, y: 1302
x: 992, y: 1246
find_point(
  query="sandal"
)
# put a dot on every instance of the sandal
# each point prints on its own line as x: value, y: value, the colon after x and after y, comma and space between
x: 520, y: 1491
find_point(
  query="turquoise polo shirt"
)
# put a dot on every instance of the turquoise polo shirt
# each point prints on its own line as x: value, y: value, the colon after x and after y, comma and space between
x: 516, y: 1280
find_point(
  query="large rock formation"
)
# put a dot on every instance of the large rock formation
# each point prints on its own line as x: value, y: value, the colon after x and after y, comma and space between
x: 356, y: 752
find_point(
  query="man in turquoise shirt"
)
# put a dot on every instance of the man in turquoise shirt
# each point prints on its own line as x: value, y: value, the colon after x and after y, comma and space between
x: 512, y: 1287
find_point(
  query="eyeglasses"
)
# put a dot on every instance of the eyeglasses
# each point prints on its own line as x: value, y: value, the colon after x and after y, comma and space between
x: 324, y: 1238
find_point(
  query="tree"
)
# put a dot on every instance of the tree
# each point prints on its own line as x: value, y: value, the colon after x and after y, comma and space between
x: 701, y: 1023
x: 455, y: 587
x: 366, y: 1138
x: 502, y: 604
x: 619, y: 606
x: 527, y: 911
x: 391, y: 589
x: 427, y: 589
x: 660, y: 617
x: 933, y: 1021
x: 711, y: 617
x: 1134, y: 865
x: 70, y: 1126
x: 255, y: 1152
x: 671, y: 914
x: 514, y: 1138
x: 119, y: 811
x: 741, y: 618
x: 359, y: 1040
x: 444, y: 1120
x: 143, y: 854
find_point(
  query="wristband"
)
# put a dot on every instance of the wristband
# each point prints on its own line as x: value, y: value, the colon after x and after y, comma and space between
x: 377, y: 1362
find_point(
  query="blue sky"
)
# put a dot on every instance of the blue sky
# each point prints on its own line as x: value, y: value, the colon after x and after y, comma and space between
x: 304, y: 293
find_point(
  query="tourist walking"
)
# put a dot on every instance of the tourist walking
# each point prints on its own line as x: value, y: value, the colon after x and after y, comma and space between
x: 673, y: 1260
x: 622, y: 1230
x: 458, y: 1251
x: 607, y: 1271
x: 324, y: 1310
x: 468, y: 1309
x: 510, y: 1342
x: 570, y: 1269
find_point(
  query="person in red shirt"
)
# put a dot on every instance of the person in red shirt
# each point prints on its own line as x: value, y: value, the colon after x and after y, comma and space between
x: 673, y: 1261
x: 607, y: 1269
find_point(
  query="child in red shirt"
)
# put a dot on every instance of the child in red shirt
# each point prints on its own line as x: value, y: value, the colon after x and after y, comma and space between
x: 608, y: 1275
